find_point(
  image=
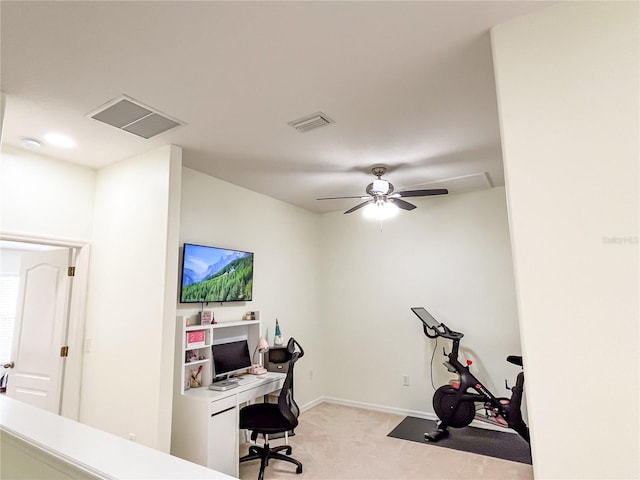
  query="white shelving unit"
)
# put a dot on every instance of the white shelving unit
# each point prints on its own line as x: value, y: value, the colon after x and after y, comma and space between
x: 202, y: 354
x: 205, y: 423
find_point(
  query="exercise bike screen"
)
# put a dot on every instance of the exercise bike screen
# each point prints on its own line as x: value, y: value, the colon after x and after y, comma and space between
x: 425, y: 316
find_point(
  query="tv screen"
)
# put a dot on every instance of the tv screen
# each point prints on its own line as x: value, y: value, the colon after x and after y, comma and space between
x: 230, y: 357
x: 212, y: 274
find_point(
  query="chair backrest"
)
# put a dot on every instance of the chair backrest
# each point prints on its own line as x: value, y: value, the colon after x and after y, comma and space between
x: 286, y: 404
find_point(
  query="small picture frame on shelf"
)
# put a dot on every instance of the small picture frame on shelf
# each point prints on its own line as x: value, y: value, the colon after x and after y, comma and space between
x: 191, y: 356
x: 206, y: 317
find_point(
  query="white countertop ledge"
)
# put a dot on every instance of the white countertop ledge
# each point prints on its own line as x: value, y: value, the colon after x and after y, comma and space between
x: 99, y: 453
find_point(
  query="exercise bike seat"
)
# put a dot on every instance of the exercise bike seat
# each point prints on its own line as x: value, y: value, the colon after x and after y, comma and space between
x: 515, y: 359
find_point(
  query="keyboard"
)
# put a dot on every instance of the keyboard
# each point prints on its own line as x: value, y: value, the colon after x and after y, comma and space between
x: 247, y: 379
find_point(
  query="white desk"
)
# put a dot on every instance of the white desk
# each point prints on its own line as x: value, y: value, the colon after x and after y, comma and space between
x: 205, y: 422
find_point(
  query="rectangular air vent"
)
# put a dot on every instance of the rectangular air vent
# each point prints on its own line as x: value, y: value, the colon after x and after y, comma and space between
x: 311, y: 122
x: 125, y: 113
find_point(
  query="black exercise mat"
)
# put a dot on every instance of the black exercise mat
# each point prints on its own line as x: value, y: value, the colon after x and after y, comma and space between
x: 507, y: 446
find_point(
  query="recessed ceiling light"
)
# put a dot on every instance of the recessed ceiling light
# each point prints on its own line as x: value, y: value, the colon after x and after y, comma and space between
x: 59, y: 140
x: 31, y: 143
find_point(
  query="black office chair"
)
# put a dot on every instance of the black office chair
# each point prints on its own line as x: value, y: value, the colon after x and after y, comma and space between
x: 270, y: 418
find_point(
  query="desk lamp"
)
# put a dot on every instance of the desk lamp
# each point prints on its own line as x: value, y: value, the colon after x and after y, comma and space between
x: 262, y: 347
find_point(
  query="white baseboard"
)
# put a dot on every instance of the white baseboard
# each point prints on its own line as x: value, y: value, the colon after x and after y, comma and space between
x: 394, y: 410
x: 380, y: 408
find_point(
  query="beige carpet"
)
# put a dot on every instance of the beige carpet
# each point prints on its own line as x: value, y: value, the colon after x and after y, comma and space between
x: 336, y: 442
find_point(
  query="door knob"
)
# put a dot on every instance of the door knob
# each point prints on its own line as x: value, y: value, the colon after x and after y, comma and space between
x: 9, y: 365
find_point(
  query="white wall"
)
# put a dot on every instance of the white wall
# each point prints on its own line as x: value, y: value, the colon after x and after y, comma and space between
x: 45, y: 197
x: 3, y: 102
x: 567, y: 81
x: 127, y: 373
x: 450, y: 255
x: 284, y: 240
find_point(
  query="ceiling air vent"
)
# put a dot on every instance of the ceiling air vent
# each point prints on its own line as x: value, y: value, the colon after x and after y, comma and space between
x: 132, y: 116
x: 310, y: 122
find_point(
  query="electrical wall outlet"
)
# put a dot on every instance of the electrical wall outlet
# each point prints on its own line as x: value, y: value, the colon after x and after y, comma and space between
x: 405, y: 380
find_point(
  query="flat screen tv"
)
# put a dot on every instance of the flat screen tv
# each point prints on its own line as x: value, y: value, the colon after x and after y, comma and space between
x: 213, y: 274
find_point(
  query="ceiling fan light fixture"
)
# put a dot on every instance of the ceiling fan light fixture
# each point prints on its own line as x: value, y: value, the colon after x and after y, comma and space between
x: 380, y: 210
x: 380, y: 186
x: 381, y: 202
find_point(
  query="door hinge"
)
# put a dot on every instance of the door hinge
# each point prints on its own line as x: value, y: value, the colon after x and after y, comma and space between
x: 71, y: 272
x: 64, y: 351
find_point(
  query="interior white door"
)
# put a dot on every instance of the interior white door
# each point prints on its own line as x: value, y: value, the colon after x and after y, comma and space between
x: 41, y: 318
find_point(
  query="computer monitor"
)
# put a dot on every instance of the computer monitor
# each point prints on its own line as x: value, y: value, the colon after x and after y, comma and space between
x: 230, y: 358
x: 426, y: 317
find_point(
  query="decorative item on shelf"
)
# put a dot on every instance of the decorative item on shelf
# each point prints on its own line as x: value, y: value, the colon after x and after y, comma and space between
x: 195, y: 339
x: 277, y: 340
x: 194, y: 381
x: 207, y: 318
x: 192, y: 356
x: 254, y: 315
x: 262, y: 347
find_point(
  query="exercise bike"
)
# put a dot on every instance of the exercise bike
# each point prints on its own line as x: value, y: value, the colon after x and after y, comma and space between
x: 461, y: 401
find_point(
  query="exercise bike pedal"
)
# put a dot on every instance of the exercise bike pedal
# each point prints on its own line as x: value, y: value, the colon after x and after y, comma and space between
x: 437, y: 435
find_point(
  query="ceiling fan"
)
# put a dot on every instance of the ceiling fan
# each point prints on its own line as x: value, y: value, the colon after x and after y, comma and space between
x: 380, y: 192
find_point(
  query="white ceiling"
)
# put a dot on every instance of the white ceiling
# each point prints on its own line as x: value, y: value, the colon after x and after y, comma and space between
x: 409, y: 84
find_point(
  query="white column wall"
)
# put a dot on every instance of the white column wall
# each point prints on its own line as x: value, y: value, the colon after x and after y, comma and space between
x: 171, y: 274
x: 450, y: 255
x: 126, y: 385
x: 567, y: 82
x: 3, y: 102
x: 284, y: 240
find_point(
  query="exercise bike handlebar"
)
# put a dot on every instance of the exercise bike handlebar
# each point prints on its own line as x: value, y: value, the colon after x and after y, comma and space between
x: 441, y: 330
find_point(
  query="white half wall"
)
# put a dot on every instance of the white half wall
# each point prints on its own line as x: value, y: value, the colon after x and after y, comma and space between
x: 44, y: 197
x: 128, y: 364
x: 284, y: 240
x: 567, y: 81
x: 451, y: 255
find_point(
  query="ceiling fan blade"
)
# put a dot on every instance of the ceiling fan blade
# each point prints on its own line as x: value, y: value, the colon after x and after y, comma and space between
x: 363, y: 197
x: 402, y: 204
x: 423, y: 193
x: 360, y: 205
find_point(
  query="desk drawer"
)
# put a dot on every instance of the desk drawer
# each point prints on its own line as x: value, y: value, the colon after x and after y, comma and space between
x: 218, y: 406
x: 256, y: 392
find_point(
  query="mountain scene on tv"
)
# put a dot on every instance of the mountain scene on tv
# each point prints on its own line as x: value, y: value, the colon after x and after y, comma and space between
x: 216, y: 275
